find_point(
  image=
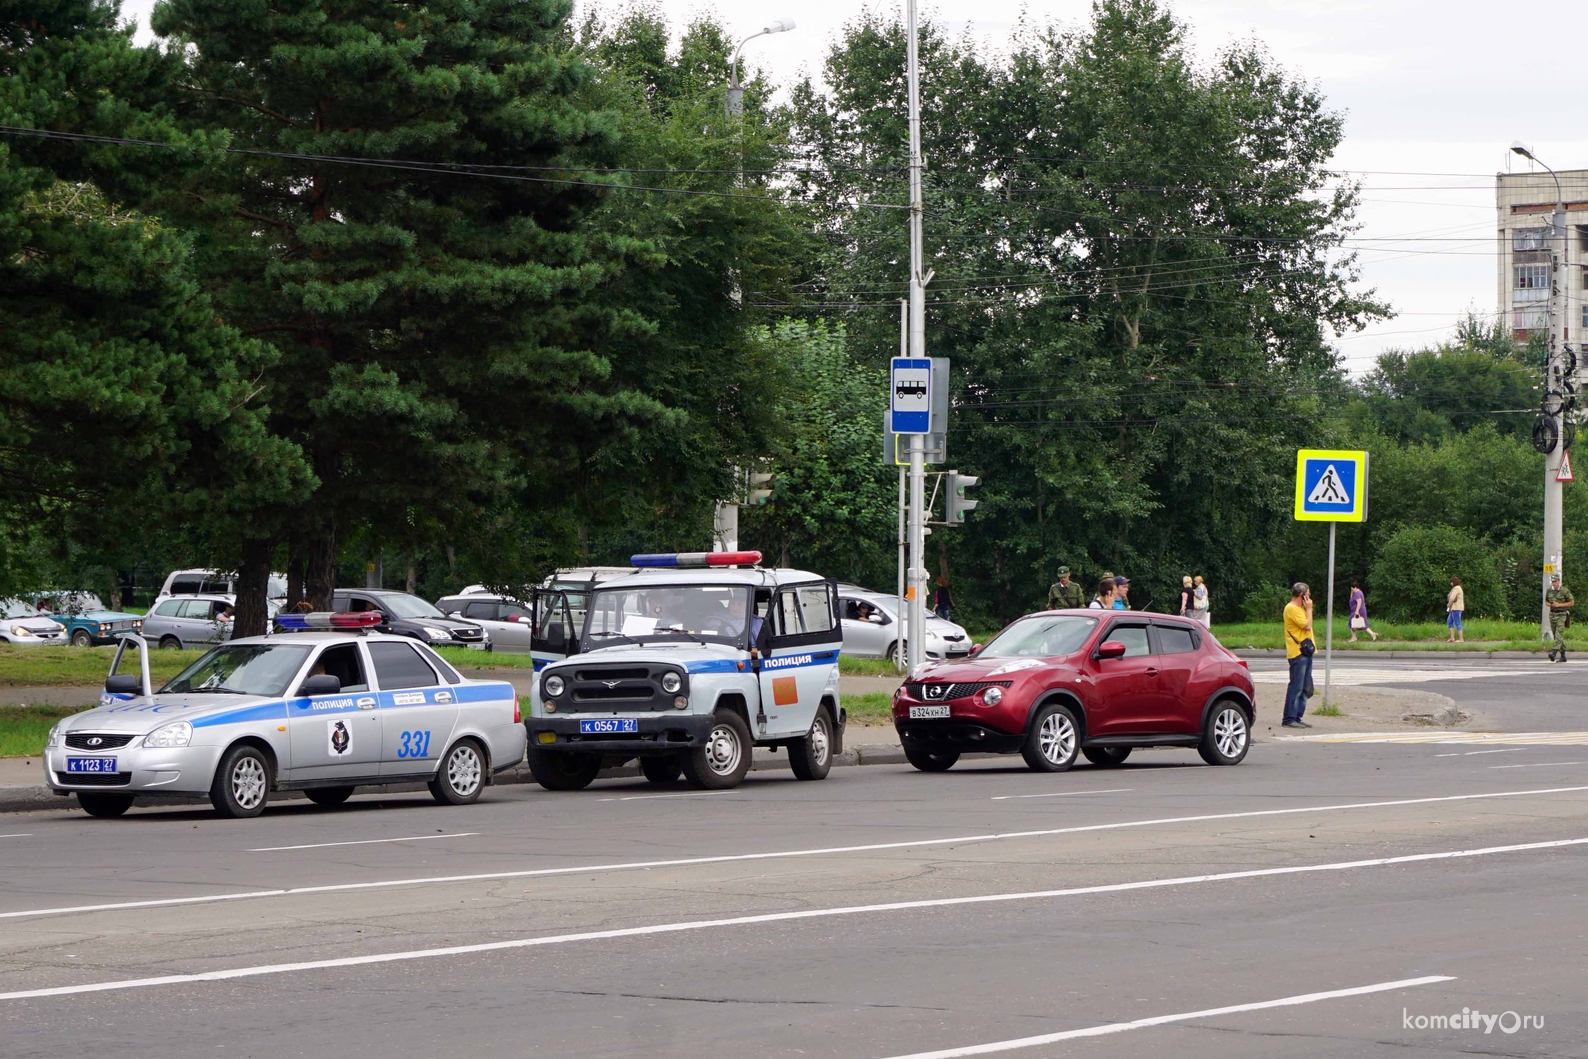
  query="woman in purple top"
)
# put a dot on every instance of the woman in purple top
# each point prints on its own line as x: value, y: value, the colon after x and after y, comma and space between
x: 1359, y: 613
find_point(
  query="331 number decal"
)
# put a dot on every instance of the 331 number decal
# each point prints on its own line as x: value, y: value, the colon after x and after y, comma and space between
x: 414, y: 744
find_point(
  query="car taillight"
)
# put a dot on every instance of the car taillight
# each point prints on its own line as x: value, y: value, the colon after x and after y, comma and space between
x: 1242, y: 663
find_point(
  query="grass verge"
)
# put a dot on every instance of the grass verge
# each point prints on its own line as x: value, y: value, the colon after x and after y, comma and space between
x: 63, y: 666
x: 871, y: 708
x: 464, y: 658
x: 1482, y: 634
x: 23, y: 728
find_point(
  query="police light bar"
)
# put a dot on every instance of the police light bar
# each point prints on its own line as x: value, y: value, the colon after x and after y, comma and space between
x: 325, y: 619
x: 672, y: 560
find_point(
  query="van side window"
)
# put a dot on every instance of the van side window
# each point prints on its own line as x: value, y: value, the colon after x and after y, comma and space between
x: 169, y: 608
x: 786, y: 619
x: 815, y: 604
x: 187, y: 586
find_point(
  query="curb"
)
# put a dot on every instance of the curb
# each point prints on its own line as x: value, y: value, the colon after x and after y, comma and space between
x: 1419, y: 655
x: 41, y: 798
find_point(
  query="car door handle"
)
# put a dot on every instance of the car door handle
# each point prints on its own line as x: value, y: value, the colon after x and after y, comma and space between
x: 1152, y: 671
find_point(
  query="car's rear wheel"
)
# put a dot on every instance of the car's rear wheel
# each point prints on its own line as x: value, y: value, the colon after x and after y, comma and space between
x: 723, y: 760
x: 893, y: 651
x: 242, y: 783
x: 80, y: 638
x: 1106, y: 756
x: 661, y: 768
x: 328, y: 796
x: 106, y: 805
x: 1226, y: 736
x: 558, y: 770
x: 461, y: 776
x: 811, y: 756
x: 1053, y: 740
x: 929, y: 760
x: 170, y: 643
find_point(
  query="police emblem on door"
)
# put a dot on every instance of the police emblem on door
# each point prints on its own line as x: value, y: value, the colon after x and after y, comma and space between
x: 341, y: 738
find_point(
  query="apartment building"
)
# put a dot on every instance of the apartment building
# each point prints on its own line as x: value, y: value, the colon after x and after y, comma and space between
x: 1523, y: 205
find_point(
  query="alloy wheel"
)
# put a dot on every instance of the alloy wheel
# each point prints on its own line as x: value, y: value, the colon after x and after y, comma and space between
x: 1229, y: 732
x: 1056, y: 738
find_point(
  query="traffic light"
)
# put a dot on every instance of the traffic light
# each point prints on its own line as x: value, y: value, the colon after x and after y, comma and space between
x: 957, y: 503
x: 760, y: 489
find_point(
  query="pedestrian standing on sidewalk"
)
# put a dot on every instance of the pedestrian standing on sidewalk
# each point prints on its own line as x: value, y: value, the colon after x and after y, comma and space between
x: 1105, y: 595
x: 1065, y: 594
x: 943, y: 602
x: 1358, y: 608
x: 1455, y: 603
x: 1187, y: 596
x: 1559, y: 600
x: 1202, y: 606
x: 1298, y: 651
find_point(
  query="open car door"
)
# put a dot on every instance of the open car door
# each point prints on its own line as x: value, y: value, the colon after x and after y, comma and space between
x: 552, y: 636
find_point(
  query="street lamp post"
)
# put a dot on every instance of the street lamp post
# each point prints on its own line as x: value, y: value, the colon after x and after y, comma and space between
x: 1554, y: 409
x: 735, y: 89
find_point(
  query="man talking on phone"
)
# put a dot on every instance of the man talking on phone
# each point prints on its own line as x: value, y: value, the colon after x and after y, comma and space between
x: 1298, y: 651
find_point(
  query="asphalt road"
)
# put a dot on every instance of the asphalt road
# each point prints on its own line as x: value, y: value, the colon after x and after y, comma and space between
x: 1160, y: 909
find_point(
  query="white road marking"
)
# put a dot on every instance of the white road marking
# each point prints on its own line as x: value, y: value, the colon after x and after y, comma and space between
x: 1059, y: 794
x: 770, y: 917
x: 1469, y: 753
x: 1109, y: 1028
x: 27, y: 834
x: 1349, y: 676
x: 1447, y: 737
x: 360, y: 842
x: 1539, y: 765
x: 647, y: 797
x: 730, y: 858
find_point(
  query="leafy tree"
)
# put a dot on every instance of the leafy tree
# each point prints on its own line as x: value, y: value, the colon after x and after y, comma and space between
x: 1479, y: 378
x: 1411, y: 575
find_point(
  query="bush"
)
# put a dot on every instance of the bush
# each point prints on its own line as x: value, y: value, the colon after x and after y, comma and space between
x: 1411, y: 575
x: 1265, y: 603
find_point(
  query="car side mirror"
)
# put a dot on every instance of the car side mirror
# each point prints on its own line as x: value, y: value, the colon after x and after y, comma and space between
x: 454, y: 614
x: 320, y: 684
x: 975, y: 649
x: 1111, y: 649
x: 124, y: 684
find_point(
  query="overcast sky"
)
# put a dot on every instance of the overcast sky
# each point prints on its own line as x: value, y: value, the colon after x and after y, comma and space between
x: 1434, y: 92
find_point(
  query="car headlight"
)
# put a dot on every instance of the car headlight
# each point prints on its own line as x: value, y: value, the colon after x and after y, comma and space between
x: 21, y: 630
x: 552, y: 687
x: 992, y: 696
x: 177, y: 733
x: 55, y: 734
x: 437, y: 634
x: 671, y: 683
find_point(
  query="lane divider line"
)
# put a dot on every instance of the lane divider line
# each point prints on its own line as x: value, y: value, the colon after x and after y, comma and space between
x: 1109, y: 1028
x: 649, y: 797
x: 767, y: 917
x: 733, y: 858
x: 361, y: 842
x: 1537, y: 765
x: 1059, y: 794
x: 25, y: 834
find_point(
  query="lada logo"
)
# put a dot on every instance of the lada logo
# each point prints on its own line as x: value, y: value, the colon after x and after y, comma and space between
x: 95, y: 741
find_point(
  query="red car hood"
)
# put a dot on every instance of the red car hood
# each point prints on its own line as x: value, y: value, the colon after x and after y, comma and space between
x: 973, y: 669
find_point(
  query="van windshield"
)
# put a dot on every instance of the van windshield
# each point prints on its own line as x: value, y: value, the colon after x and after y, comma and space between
x: 709, y: 613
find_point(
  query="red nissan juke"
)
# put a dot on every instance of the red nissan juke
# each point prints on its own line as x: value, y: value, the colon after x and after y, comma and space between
x: 1099, y: 683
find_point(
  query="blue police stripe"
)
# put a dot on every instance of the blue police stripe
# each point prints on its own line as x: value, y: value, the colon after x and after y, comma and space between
x: 266, y: 711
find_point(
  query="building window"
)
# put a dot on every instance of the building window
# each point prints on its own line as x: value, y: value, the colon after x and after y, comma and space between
x: 1530, y: 238
x: 1582, y: 236
x: 1585, y: 318
x: 1532, y: 283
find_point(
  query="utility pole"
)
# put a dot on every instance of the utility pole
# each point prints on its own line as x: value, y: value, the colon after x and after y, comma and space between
x: 918, y: 280
x: 901, y: 663
x: 1554, y: 384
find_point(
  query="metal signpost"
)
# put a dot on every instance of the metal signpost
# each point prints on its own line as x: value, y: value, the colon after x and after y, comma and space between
x: 1331, y: 486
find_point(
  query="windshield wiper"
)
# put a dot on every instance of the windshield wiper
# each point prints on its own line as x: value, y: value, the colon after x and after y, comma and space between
x: 630, y: 639
x: 680, y: 630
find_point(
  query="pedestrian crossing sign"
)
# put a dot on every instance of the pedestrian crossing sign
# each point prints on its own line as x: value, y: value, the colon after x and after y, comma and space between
x: 1331, y: 486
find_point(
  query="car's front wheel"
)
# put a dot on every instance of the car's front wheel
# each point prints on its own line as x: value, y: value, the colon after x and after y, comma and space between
x: 811, y: 756
x: 328, y: 796
x: 1226, y: 736
x: 242, y: 783
x: 929, y: 760
x: 558, y: 770
x: 1106, y: 756
x: 80, y: 638
x: 661, y: 768
x: 461, y: 775
x: 106, y: 805
x: 170, y: 643
x: 1054, y: 739
x: 723, y: 760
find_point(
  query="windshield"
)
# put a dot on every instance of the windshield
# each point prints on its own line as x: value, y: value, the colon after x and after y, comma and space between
x: 713, y: 613
x: 276, y: 587
x: 1040, y: 638
x: 15, y: 608
x: 405, y: 606
x: 247, y: 669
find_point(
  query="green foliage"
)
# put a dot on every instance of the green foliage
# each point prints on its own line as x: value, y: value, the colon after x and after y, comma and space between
x: 1455, y: 387
x: 1411, y: 575
x: 1265, y: 603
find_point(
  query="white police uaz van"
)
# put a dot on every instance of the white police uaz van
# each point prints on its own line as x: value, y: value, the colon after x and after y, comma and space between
x: 687, y: 665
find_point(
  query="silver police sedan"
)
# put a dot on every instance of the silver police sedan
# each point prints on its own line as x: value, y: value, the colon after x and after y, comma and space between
x: 321, y: 712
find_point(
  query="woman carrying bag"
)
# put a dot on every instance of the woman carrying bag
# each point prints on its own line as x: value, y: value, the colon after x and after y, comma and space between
x: 1358, y: 608
x: 1201, y: 608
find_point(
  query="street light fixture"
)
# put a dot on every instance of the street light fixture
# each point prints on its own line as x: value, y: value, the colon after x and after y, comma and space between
x: 735, y: 89
x: 1556, y: 390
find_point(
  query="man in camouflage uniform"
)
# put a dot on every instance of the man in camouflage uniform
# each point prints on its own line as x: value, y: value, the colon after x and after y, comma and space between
x: 1065, y: 594
x: 1558, y: 599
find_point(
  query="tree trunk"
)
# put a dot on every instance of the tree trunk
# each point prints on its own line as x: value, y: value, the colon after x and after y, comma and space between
x: 320, y: 578
x: 413, y: 575
x: 251, y: 615
x: 294, y: 572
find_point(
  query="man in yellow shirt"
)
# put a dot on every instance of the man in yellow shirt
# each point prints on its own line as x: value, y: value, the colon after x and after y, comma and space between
x: 1298, y: 631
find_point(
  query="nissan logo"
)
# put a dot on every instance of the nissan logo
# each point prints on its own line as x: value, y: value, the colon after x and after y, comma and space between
x: 94, y: 740
x: 934, y: 691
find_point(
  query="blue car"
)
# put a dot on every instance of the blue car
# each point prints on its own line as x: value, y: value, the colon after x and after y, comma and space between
x: 88, y: 623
